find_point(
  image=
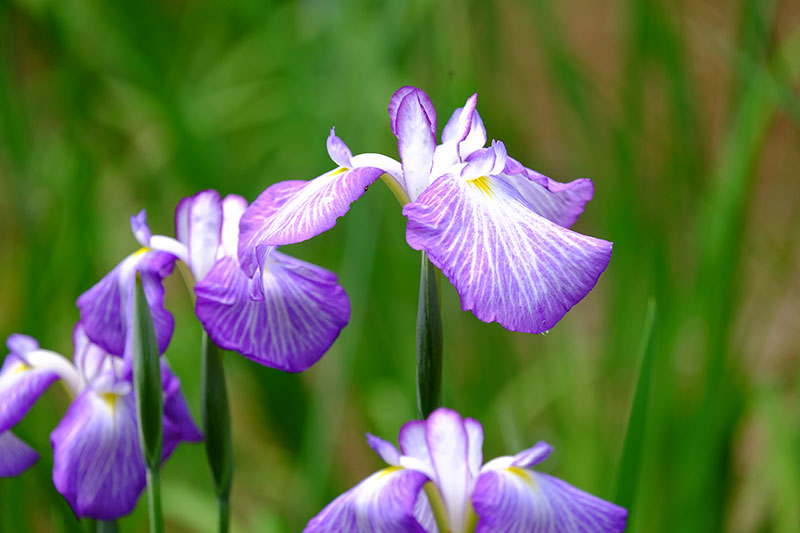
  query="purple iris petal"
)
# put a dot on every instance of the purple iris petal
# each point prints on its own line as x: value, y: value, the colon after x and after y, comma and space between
x: 476, y: 135
x: 561, y: 203
x: 384, y: 502
x: 294, y: 211
x: 508, y: 264
x: 15, y: 455
x: 104, y: 307
x: 384, y: 449
x: 285, y: 317
x: 338, y: 150
x: 461, y: 121
x: 20, y: 345
x: 198, y: 226
x: 398, y: 97
x: 140, y: 228
x: 515, y: 499
x: 97, y: 461
x: 416, y: 141
x: 178, y: 423
x: 20, y: 387
x: 233, y: 207
x: 89, y: 358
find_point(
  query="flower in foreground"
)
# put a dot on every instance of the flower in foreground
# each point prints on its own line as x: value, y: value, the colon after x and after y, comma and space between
x: 285, y: 313
x: 97, y: 459
x: 440, y: 460
x: 496, y: 229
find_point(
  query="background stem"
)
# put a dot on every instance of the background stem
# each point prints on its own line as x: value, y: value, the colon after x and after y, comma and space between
x: 154, y: 500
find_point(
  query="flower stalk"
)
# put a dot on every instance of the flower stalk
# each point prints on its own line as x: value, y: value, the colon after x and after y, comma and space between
x: 217, y: 427
x: 149, y: 401
x: 429, y: 341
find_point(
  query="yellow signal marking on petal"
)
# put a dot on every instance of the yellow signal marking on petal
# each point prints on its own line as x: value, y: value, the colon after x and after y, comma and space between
x: 21, y: 367
x: 140, y: 251
x: 110, y: 398
x: 388, y: 470
x: 483, y: 184
x: 523, y: 474
x: 339, y: 170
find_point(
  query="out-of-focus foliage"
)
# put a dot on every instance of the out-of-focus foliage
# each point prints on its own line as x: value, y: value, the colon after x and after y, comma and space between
x: 685, y: 115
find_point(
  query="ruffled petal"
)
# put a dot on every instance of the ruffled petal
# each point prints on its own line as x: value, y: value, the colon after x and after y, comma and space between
x: 178, y: 423
x: 561, y: 203
x: 416, y: 141
x: 21, y: 384
x: 299, y: 312
x: 15, y: 455
x: 198, y: 226
x: 382, y: 503
x: 516, y: 499
x: 294, y: 211
x: 508, y: 264
x: 97, y: 461
x: 105, y: 309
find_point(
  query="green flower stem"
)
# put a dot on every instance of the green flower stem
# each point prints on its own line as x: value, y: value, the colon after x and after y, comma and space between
x: 437, y: 506
x: 107, y: 526
x: 149, y: 408
x: 396, y: 188
x: 217, y: 427
x: 429, y: 341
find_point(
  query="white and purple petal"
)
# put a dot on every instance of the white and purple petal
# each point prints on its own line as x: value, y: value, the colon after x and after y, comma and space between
x: 140, y: 228
x: 475, y: 138
x: 21, y: 384
x: 338, y: 150
x: 233, y: 207
x: 398, y: 97
x: 198, y: 226
x: 507, y: 263
x: 97, y: 460
x: 386, y: 450
x: 294, y: 211
x: 15, y: 455
x: 416, y: 141
x: 285, y: 317
x: 516, y: 499
x: 382, y: 503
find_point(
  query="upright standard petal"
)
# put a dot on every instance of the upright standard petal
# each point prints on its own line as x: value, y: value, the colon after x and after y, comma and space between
x: 416, y: 141
x: 104, y: 308
x: 516, y: 499
x: 398, y: 97
x: 198, y: 226
x: 21, y: 384
x: 382, y: 503
x: 285, y: 317
x: 508, y: 264
x: 475, y: 137
x: 15, y: 455
x: 294, y: 211
x: 97, y: 460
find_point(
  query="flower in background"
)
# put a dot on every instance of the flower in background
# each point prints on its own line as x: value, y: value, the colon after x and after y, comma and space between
x: 496, y: 229
x: 505, y: 494
x: 97, y: 459
x: 283, y: 313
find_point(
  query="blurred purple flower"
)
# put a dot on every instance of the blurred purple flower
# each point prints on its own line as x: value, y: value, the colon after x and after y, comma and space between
x: 97, y: 460
x: 283, y: 313
x: 496, y: 229
x: 502, y: 495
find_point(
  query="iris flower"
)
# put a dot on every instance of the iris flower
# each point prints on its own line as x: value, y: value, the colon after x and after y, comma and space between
x: 284, y: 313
x: 495, y: 228
x: 97, y: 459
x: 440, y: 460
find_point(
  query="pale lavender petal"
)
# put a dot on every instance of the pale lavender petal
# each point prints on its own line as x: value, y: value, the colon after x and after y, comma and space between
x: 386, y: 450
x: 460, y: 123
x: 200, y: 229
x: 413, y: 443
x: 338, y: 150
x: 382, y: 503
x: 15, y: 455
x: 561, y: 203
x: 299, y: 312
x: 396, y: 100
x: 508, y: 264
x: 20, y: 344
x: 294, y: 211
x: 89, y: 358
x: 515, y: 499
x: 416, y: 141
x: 20, y: 387
x: 233, y: 206
x: 475, y: 139
x: 104, y: 307
x: 178, y: 423
x: 448, y: 443
x: 97, y: 461
x: 475, y: 445
x: 532, y: 456
x: 140, y: 228
x: 424, y: 513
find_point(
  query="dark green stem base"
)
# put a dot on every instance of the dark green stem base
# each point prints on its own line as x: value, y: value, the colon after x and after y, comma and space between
x: 429, y: 341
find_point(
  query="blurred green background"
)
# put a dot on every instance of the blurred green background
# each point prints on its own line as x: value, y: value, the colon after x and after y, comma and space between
x: 685, y: 115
